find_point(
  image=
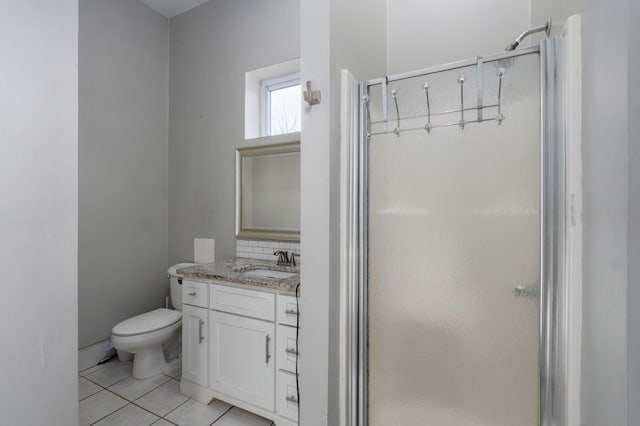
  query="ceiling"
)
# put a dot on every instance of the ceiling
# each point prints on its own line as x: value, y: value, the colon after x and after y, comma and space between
x: 171, y: 8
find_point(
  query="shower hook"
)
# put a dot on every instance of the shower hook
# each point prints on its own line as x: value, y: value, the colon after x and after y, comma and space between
x: 394, y: 94
x: 500, y: 117
x: 428, y: 127
x: 461, y: 123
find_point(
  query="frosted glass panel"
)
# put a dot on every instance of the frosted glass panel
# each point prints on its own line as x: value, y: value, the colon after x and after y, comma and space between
x: 454, y: 223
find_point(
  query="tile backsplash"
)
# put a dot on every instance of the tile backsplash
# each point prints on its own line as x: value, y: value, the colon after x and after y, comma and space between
x: 263, y: 250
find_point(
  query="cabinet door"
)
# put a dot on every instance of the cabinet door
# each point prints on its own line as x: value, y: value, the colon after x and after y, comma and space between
x: 242, y: 359
x: 194, y: 344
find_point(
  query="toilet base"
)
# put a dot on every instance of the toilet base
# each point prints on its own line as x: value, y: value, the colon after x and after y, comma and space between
x: 124, y: 356
x: 149, y: 362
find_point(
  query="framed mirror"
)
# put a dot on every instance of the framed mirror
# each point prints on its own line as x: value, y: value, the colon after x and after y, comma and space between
x: 268, y: 191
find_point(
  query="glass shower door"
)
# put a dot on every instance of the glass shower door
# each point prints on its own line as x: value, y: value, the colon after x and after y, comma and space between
x: 454, y: 251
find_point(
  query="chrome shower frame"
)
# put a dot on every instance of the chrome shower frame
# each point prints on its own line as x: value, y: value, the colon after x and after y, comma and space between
x: 553, y: 316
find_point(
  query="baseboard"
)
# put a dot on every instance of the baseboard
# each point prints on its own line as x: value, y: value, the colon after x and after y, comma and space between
x: 92, y: 355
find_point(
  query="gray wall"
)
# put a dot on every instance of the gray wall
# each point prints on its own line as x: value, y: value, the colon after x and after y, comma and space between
x: 123, y: 176
x: 38, y: 219
x: 426, y: 33
x: 212, y: 46
x: 633, y: 307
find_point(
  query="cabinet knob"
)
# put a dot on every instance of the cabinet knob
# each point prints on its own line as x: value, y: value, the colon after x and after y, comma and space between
x: 291, y: 312
x: 193, y: 293
x: 292, y: 399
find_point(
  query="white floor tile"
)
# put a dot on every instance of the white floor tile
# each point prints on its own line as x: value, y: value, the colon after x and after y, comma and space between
x: 163, y: 399
x: 86, y: 388
x: 113, y: 372
x: 132, y: 388
x: 194, y: 413
x: 98, y: 406
x: 238, y: 417
x: 129, y: 415
x: 92, y: 369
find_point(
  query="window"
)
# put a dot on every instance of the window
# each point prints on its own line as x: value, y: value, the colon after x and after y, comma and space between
x: 272, y: 99
x: 280, y: 104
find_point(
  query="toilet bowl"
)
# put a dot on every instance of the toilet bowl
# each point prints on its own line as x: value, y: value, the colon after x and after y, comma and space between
x: 145, y: 335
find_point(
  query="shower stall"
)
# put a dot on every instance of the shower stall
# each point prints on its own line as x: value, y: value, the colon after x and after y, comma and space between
x: 456, y: 302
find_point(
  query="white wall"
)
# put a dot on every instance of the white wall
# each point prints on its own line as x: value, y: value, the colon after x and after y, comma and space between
x: 334, y: 35
x: 426, y: 33
x: 212, y: 46
x: 38, y: 218
x: 123, y: 175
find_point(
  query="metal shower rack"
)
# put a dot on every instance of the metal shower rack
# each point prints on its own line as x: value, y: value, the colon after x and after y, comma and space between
x: 461, y: 123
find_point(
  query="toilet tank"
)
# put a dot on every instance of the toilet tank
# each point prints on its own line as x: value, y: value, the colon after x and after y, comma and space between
x: 175, y: 284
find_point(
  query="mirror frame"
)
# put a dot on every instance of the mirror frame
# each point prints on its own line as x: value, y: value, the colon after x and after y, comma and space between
x: 242, y: 232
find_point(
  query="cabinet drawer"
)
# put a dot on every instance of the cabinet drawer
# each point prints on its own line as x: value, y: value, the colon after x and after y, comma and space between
x: 286, y: 351
x: 287, y: 310
x: 286, y: 396
x: 195, y: 293
x: 250, y: 303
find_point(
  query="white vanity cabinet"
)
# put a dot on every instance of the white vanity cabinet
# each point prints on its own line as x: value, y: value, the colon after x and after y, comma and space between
x: 241, y: 349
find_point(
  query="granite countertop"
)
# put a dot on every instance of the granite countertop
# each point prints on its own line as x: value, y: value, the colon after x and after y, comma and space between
x: 232, y: 271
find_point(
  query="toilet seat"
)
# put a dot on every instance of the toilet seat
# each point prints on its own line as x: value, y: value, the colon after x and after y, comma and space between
x: 147, y: 322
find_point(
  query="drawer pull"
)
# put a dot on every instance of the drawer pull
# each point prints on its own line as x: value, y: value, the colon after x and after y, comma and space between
x: 267, y: 339
x: 291, y: 312
x: 292, y: 399
x: 200, y: 335
x: 193, y: 293
x: 292, y: 351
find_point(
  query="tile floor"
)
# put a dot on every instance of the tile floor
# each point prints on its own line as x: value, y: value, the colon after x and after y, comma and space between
x: 109, y: 396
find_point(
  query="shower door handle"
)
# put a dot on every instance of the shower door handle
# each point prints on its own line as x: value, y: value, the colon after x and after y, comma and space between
x: 526, y: 291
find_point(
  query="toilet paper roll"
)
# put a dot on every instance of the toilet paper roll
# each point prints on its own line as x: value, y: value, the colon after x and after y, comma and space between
x: 204, y: 250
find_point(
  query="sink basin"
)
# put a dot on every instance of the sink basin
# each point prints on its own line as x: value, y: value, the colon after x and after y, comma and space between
x: 269, y: 274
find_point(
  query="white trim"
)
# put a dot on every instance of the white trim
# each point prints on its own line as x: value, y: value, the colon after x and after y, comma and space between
x: 92, y: 355
x: 572, y: 46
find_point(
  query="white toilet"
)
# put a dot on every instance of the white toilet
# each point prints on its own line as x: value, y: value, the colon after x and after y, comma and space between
x: 144, y: 335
